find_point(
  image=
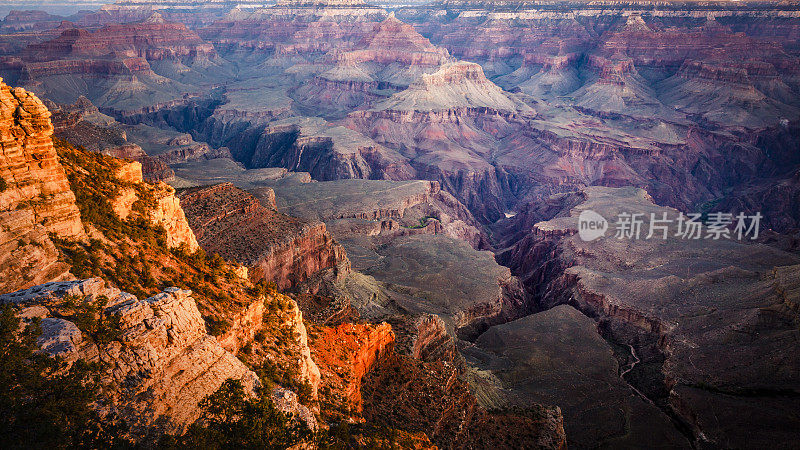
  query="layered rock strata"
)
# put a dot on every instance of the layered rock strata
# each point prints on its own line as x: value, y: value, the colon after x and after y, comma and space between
x: 276, y: 247
x: 35, y: 197
x: 707, y: 322
x: 166, y: 211
x: 346, y: 353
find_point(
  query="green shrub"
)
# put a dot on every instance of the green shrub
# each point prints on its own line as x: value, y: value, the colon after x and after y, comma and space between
x: 44, y: 404
x: 232, y: 420
x: 217, y: 327
x: 263, y: 288
x: 286, y: 376
x: 91, y: 319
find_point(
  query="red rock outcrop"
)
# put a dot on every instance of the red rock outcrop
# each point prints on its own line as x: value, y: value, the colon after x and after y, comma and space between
x: 276, y: 247
x: 345, y: 354
x: 35, y: 198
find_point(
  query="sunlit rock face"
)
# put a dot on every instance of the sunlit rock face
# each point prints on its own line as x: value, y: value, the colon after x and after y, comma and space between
x: 36, y: 198
x: 158, y: 369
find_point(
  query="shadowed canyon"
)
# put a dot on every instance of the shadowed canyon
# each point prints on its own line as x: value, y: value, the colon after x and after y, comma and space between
x: 449, y: 224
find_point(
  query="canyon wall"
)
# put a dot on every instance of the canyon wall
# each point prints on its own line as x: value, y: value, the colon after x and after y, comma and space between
x: 676, y: 303
x: 276, y: 247
x: 35, y: 197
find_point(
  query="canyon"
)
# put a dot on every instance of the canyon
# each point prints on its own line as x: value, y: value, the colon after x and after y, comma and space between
x: 370, y: 215
x: 160, y: 356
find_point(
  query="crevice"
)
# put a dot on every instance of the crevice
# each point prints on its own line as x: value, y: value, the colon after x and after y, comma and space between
x: 640, y: 348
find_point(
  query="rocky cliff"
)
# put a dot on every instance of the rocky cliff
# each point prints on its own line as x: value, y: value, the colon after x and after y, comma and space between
x: 276, y: 247
x: 434, y: 399
x: 115, y: 63
x: 161, y: 350
x: 82, y: 123
x: 165, y: 209
x: 35, y: 197
x: 382, y: 209
x: 345, y: 354
x: 264, y: 325
x: 389, y: 57
x: 152, y: 39
x: 160, y: 362
x: 311, y: 145
x: 445, y: 123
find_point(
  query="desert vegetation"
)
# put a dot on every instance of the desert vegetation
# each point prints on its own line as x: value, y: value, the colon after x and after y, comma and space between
x: 133, y: 254
x: 46, y: 402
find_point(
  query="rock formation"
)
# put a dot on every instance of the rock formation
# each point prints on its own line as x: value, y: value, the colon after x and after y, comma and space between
x: 161, y: 362
x: 292, y: 29
x: 276, y: 247
x: 166, y: 209
x: 83, y: 124
x: 390, y: 56
x: 362, y: 345
x: 35, y: 198
x: 162, y: 355
x: 432, y: 133
x: 255, y: 321
x: 117, y: 63
x: 460, y: 114
x: 454, y: 86
x: 433, y: 399
x: 152, y: 39
x: 304, y: 144
x: 383, y: 209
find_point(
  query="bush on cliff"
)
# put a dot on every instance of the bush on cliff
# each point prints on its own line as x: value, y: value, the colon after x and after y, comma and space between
x: 90, y: 318
x: 134, y: 256
x: 44, y: 404
x: 92, y: 178
x: 232, y: 420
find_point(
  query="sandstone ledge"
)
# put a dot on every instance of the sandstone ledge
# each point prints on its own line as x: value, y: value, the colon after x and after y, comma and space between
x: 161, y: 364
